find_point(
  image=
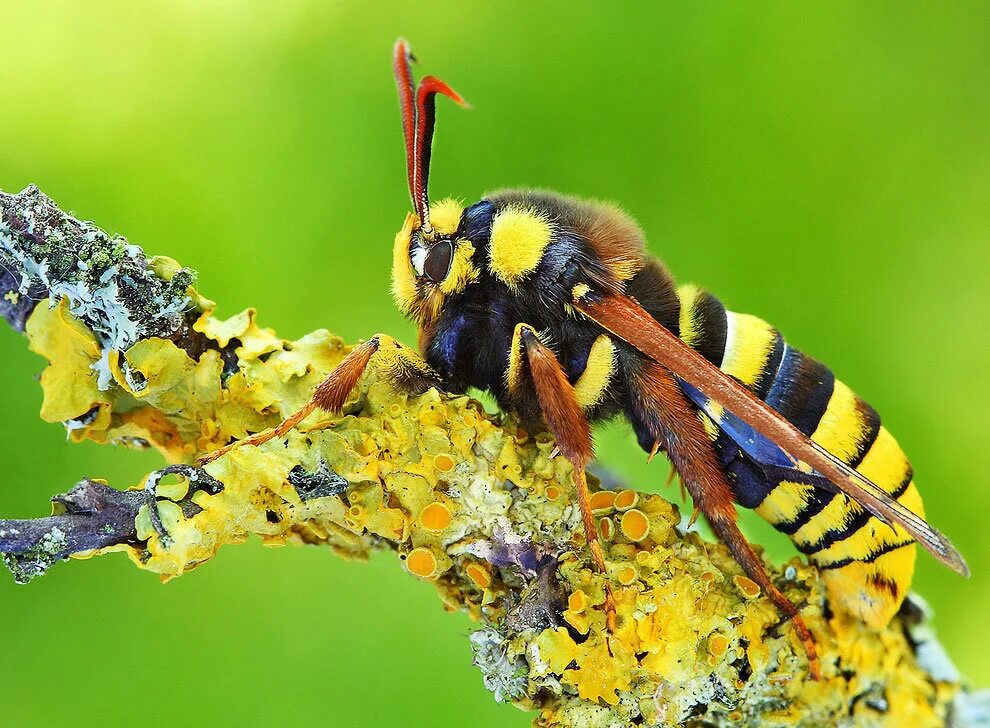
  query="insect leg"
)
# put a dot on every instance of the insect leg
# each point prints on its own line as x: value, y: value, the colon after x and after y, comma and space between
x: 659, y: 404
x: 566, y: 420
x: 727, y: 529
x: 404, y: 368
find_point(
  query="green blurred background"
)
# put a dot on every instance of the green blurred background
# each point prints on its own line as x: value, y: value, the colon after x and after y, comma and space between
x: 824, y: 166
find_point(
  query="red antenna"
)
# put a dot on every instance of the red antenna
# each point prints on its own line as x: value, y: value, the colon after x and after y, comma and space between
x: 418, y: 108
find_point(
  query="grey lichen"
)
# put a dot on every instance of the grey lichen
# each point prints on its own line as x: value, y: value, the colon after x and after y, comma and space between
x: 109, y: 284
x: 50, y: 548
x: 506, y: 679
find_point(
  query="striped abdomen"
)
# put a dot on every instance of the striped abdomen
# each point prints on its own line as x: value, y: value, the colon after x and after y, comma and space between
x: 867, y: 566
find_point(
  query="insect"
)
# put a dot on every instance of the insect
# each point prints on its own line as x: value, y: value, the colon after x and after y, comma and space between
x: 553, y: 305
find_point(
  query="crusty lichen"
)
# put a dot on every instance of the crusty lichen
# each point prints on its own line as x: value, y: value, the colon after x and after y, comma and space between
x: 30, y: 564
x: 484, y: 511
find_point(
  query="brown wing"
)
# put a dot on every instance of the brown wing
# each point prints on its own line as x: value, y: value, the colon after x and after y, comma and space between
x: 624, y: 317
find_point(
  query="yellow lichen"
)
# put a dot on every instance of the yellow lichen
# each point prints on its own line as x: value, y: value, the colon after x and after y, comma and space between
x: 635, y: 525
x: 626, y: 499
x: 602, y: 501
x: 626, y: 575
x: 422, y: 562
x: 479, y: 573
x: 604, y: 666
x: 718, y: 644
x: 606, y: 528
x: 749, y: 588
x: 69, y: 384
x: 434, y: 477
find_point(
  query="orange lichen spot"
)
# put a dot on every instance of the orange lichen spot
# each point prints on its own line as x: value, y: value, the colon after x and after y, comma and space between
x: 602, y: 500
x: 627, y: 575
x: 635, y: 525
x: 552, y: 492
x: 708, y: 577
x: 421, y: 562
x: 577, y: 601
x: 521, y: 436
x: 606, y: 528
x: 718, y: 644
x: 355, y: 511
x: 626, y: 499
x: 735, y: 716
x: 443, y: 463
x: 479, y: 574
x: 435, y: 517
x: 746, y: 586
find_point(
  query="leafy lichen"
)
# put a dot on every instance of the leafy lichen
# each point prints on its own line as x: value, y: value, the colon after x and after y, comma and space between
x: 445, y: 485
x: 106, y: 282
x: 484, y: 511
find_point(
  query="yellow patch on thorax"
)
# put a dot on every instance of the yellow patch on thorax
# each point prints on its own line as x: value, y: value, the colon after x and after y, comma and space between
x: 519, y: 238
x: 445, y: 215
x: 748, y: 347
x: 403, y: 276
x: 597, y: 375
x: 462, y: 270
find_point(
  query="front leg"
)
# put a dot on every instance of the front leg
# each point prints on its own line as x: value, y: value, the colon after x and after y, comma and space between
x: 662, y: 411
x: 403, y: 367
x: 565, y: 419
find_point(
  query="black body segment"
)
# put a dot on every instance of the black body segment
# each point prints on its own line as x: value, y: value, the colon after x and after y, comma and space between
x: 834, y: 531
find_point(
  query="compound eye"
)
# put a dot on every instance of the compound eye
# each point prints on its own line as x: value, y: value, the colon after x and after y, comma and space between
x: 438, y: 260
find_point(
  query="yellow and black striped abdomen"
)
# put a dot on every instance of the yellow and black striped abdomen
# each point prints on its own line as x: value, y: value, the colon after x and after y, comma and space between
x: 866, y: 564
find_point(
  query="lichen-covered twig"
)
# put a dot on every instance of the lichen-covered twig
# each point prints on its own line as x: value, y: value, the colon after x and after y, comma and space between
x: 472, y: 503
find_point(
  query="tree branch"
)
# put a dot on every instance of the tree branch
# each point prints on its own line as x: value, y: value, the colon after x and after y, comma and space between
x: 470, y: 502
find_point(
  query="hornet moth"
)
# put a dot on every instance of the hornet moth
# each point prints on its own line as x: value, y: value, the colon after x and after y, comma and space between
x: 554, y: 305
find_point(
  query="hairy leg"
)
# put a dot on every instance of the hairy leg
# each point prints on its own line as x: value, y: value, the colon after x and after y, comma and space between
x: 566, y: 420
x: 659, y: 404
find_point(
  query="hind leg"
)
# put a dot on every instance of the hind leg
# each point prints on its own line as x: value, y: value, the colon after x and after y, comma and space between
x: 661, y: 412
x: 565, y: 419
